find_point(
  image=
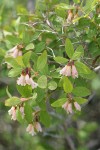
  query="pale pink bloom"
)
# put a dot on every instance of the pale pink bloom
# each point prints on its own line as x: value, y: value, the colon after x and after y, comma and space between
x: 20, y: 53
x: 74, y: 72
x: 38, y: 127
x: 66, y: 71
x: 21, y: 80
x: 77, y: 106
x: 22, y: 111
x: 70, y: 17
x: 15, y: 52
x: 30, y: 129
x: 12, y: 112
x: 24, y: 80
x: 33, y: 84
x: 68, y: 107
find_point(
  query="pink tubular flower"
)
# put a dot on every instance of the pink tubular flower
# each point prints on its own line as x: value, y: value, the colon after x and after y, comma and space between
x: 66, y: 71
x: 15, y: 52
x: 12, y: 112
x: 74, y: 72
x: 77, y: 106
x: 22, y: 111
x: 70, y: 16
x: 30, y: 129
x: 37, y: 126
x: 25, y: 79
x: 68, y: 107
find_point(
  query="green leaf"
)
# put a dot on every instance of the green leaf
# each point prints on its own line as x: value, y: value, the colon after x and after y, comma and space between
x: 82, y: 68
x: 25, y: 91
x: 19, y: 60
x: 29, y: 46
x: 64, y: 6
x: 78, y: 53
x: 13, y: 101
x: 45, y: 118
x: 19, y: 116
x: 2, y: 52
x: 69, y: 48
x: 14, y: 72
x: 40, y: 95
x: 12, y: 62
x: 59, y: 102
x: 81, y: 91
x: 60, y: 59
x: 42, y: 60
x: 40, y: 47
x: 84, y: 71
x: 76, y: 1
x: 52, y: 85
x: 80, y: 100
x: 28, y: 113
x: 26, y: 58
x: 67, y: 85
x: 42, y: 82
x: 13, y: 39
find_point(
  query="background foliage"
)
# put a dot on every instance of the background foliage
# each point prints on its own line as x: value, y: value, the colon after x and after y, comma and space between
x: 45, y: 36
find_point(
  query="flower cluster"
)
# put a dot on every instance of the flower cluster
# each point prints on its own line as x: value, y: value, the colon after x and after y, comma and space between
x: 15, y: 51
x: 33, y: 128
x: 69, y: 105
x: 69, y: 70
x: 25, y: 79
x: 13, y: 112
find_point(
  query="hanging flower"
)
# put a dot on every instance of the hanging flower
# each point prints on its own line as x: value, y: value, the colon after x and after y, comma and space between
x: 33, y: 128
x: 15, y: 51
x: 37, y: 126
x: 74, y: 72
x: 69, y: 70
x: 68, y: 107
x: 30, y: 129
x: 26, y: 80
x: 77, y: 106
x: 22, y: 111
x: 12, y: 112
x: 66, y: 71
x: 70, y: 16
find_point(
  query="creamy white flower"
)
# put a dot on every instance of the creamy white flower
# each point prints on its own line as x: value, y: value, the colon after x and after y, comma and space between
x: 12, y: 113
x: 74, y: 72
x: 30, y: 129
x: 70, y: 17
x: 68, y: 107
x: 66, y: 71
x: 37, y: 126
x: 24, y: 80
x: 21, y: 80
x: 15, y: 52
x: 77, y: 106
x: 22, y: 111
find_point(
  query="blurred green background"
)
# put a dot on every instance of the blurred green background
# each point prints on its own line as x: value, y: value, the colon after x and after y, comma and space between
x: 78, y: 132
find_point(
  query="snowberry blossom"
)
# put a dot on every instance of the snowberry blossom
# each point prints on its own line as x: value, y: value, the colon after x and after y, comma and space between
x: 12, y: 112
x: 37, y: 126
x: 77, y: 106
x: 69, y: 70
x: 70, y: 16
x: 68, y: 107
x: 15, y: 52
x: 66, y: 71
x: 25, y: 79
x: 22, y: 111
x: 74, y: 72
x: 30, y: 129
